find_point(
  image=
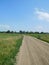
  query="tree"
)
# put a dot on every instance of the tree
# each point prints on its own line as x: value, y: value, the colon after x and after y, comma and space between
x: 8, y: 31
x: 20, y: 31
x: 42, y: 32
x: 37, y: 32
x: 12, y: 32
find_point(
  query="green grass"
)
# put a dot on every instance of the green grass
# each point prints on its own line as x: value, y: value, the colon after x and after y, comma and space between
x: 9, y: 47
x: 44, y: 37
x: 5, y: 35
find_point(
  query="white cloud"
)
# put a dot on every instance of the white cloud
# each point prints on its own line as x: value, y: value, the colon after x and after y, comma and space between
x: 39, y: 28
x: 4, y: 27
x: 41, y: 14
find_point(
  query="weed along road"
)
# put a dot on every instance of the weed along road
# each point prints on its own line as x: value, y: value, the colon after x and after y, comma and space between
x: 33, y: 52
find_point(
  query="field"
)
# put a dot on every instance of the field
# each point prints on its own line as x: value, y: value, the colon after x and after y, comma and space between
x: 44, y: 37
x: 9, y: 47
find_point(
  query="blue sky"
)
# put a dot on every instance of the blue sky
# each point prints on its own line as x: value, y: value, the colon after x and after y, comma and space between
x: 28, y: 15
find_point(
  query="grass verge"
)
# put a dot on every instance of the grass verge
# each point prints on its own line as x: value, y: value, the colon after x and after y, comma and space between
x: 8, y: 49
x: 44, y: 37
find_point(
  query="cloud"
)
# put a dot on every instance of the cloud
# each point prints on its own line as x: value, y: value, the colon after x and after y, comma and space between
x: 39, y: 28
x: 4, y: 27
x: 42, y: 15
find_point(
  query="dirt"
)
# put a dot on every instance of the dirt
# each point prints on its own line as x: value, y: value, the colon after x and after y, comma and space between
x: 33, y: 52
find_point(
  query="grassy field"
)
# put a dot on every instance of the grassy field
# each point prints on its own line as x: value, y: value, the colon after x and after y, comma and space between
x: 9, y: 47
x: 44, y: 37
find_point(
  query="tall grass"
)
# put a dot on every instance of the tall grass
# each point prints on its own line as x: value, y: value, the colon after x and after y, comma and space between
x: 44, y: 37
x: 9, y: 47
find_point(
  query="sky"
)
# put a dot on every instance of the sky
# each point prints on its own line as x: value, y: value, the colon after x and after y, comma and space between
x: 25, y: 15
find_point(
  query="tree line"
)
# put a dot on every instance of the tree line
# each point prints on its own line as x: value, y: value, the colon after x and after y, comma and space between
x: 22, y: 32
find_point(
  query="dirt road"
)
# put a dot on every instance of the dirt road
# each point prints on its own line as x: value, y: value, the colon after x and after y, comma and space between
x: 33, y: 52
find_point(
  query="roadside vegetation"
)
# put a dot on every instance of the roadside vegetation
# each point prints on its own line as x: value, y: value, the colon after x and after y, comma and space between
x: 9, y: 47
x: 43, y: 36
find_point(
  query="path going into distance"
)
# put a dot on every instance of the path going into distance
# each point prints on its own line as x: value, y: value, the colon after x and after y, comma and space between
x: 33, y: 52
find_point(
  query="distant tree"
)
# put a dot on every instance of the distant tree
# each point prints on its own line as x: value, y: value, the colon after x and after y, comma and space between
x: 8, y: 31
x: 15, y: 32
x: 20, y: 31
x: 12, y: 32
x: 42, y: 32
x: 27, y: 32
x: 23, y: 32
x: 30, y: 32
x: 37, y: 32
